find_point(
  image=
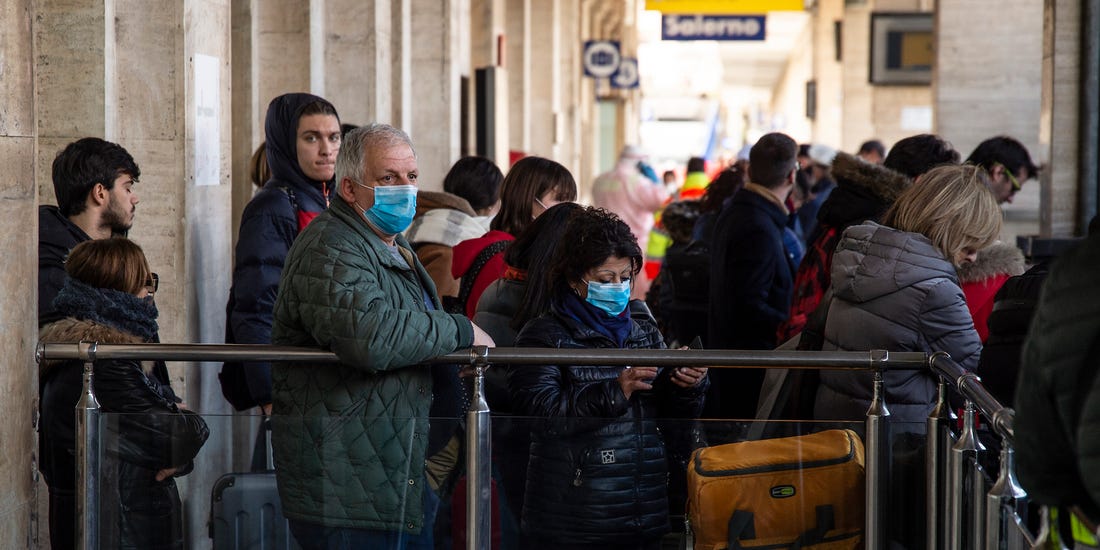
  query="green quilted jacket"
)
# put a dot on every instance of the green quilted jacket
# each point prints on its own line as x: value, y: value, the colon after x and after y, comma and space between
x: 349, y: 438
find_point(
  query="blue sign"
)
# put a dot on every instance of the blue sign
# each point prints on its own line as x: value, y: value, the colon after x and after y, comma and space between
x: 712, y: 27
x: 601, y: 58
x: 627, y: 74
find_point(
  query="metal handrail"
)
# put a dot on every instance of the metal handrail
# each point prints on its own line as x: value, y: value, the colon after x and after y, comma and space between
x: 478, y: 418
x: 816, y: 360
x: 993, y: 518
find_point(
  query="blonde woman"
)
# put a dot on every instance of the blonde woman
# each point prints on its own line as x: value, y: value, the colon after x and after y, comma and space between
x: 895, y: 287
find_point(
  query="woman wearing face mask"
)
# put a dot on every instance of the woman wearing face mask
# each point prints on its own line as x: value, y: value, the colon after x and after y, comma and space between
x: 533, y: 185
x: 597, y: 473
x: 108, y: 298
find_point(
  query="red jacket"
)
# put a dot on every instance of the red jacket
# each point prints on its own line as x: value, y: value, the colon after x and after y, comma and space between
x: 463, y: 258
x: 981, y: 280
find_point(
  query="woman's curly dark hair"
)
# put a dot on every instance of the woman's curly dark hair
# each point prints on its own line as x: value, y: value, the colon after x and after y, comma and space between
x: 592, y: 237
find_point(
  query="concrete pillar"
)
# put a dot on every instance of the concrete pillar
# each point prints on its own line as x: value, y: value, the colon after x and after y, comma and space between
x: 487, y: 29
x: 437, y: 63
x: 355, y: 71
x: 989, y: 83
x: 401, y: 85
x: 20, y: 218
x: 517, y: 61
x: 827, y: 72
x: 159, y: 85
x: 568, y: 148
x: 280, y: 52
x: 544, y: 122
x: 1059, y: 130
x: 858, y: 94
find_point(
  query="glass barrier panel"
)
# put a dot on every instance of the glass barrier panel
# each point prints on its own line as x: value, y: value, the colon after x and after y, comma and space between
x: 554, y: 482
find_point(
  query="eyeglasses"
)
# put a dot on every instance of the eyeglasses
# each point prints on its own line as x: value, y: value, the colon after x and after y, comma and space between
x: 152, y: 283
x: 1011, y: 178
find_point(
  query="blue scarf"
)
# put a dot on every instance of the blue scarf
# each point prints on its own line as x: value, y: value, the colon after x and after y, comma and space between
x: 616, y: 329
x: 118, y: 310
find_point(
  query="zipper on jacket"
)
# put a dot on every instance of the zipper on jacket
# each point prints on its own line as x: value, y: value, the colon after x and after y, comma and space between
x: 577, y: 482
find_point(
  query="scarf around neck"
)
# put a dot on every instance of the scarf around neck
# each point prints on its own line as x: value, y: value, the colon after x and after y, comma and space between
x: 118, y: 310
x: 617, y: 328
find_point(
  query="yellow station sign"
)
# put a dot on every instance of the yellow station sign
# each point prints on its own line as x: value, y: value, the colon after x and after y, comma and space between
x: 723, y: 7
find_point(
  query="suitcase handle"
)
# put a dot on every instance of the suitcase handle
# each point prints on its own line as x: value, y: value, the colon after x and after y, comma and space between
x: 741, y: 527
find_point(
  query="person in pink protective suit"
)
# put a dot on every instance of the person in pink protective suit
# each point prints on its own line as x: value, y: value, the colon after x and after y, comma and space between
x: 627, y: 192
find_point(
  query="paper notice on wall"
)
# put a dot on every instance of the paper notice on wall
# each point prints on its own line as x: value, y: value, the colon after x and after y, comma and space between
x: 916, y: 119
x: 207, y: 146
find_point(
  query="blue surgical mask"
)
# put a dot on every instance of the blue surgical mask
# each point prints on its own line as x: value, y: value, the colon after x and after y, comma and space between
x: 394, y: 207
x: 612, y: 298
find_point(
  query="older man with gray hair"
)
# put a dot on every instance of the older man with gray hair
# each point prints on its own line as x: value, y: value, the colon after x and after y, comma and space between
x: 350, y: 438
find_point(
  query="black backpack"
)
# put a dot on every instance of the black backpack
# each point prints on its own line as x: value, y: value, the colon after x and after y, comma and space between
x: 232, y: 377
x: 686, y: 272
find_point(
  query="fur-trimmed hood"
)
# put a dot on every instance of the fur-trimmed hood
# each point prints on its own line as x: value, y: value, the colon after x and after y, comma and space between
x: 998, y: 259
x: 864, y: 191
x: 71, y: 330
x: 882, y: 182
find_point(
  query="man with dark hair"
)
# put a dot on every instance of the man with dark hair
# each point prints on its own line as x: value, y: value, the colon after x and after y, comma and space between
x: 918, y: 154
x: 750, y: 263
x: 93, y: 180
x: 478, y: 180
x: 1008, y: 164
x: 872, y: 151
x: 864, y: 191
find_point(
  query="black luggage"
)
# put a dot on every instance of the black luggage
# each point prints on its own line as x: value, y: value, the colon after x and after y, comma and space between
x: 246, y: 514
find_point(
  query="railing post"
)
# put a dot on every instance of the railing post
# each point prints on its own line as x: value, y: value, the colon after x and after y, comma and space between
x: 964, y: 450
x: 1006, y: 501
x: 87, y: 457
x: 878, y: 459
x: 478, y: 453
x: 939, y: 434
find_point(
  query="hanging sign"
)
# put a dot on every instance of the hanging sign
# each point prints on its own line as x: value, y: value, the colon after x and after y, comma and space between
x: 712, y: 27
x: 627, y: 74
x: 601, y: 58
x: 723, y: 7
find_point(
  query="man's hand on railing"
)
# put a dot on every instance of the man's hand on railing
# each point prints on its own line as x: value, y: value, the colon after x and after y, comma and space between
x: 482, y: 338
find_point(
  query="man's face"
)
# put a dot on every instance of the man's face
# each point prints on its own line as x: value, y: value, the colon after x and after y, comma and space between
x: 384, y: 166
x: 318, y: 144
x: 121, y: 204
x: 1005, y: 184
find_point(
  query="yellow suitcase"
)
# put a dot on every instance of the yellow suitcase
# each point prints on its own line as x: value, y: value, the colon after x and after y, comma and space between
x: 802, y: 492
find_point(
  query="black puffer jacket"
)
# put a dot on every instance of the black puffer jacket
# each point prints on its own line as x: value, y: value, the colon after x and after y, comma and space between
x: 145, y: 432
x: 598, y: 472
x: 1013, y: 310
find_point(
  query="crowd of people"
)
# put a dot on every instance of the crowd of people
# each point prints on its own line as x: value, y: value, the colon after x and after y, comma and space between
x: 340, y: 249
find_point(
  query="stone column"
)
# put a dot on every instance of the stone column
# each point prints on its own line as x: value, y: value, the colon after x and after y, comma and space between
x: 544, y: 121
x: 1059, y: 130
x: 517, y: 61
x: 280, y: 52
x: 437, y: 61
x: 990, y: 83
x: 355, y: 40
x: 20, y: 304
x: 401, y: 60
x: 570, y: 74
x: 159, y: 85
x: 827, y: 72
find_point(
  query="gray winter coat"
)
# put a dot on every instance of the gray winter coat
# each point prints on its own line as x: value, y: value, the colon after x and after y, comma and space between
x: 892, y: 290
